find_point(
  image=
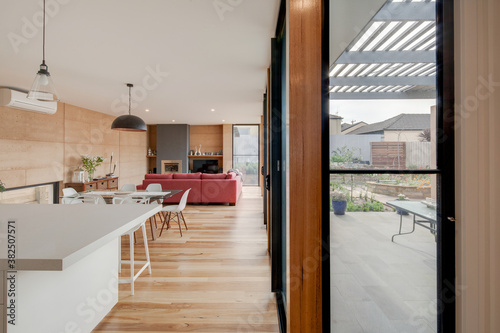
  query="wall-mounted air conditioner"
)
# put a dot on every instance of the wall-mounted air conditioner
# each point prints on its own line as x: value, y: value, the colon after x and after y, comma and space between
x: 17, y: 99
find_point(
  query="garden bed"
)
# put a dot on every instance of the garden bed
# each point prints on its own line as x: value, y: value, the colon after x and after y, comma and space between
x: 414, y: 192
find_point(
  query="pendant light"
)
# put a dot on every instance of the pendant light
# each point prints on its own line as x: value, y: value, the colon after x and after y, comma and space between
x: 43, y: 88
x: 129, y: 122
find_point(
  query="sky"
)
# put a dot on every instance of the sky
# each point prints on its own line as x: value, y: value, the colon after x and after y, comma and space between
x: 372, y: 111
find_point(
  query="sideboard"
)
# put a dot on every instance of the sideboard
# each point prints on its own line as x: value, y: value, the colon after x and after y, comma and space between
x: 101, y: 184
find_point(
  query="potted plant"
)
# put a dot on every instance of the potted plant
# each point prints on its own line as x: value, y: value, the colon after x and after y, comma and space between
x: 401, y: 197
x: 339, y: 202
x: 90, y: 164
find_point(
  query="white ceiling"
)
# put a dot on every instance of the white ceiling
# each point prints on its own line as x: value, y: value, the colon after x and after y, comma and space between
x: 215, y: 58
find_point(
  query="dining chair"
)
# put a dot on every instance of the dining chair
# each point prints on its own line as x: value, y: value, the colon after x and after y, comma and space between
x: 95, y: 199
x: 71, y: 195
x: 129, y: 188
x: 154, y: 187
x: 131, y: 233
x: 168, y: 211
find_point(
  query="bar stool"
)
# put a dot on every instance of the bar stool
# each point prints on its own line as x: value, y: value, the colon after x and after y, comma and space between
x: 131, y: 233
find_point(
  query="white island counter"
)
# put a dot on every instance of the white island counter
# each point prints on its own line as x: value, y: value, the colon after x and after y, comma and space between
x: 66, y: 262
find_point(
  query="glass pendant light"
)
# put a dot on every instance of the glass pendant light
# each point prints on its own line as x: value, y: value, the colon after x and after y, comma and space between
x: 129, y: 122
x: 43, y: 88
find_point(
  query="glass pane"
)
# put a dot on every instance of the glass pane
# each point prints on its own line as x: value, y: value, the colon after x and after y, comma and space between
x: 43, y: 194
x: 246, y: 152
x: 383, y: 117
x: 383, y: 278
x: 383, y: 84
x: 248, y: 165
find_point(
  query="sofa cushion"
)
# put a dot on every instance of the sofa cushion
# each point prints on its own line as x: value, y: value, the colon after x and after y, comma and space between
x: 187, y: 175
x: 219, y: 190
x: 213, y: 176
x: 155, y: 176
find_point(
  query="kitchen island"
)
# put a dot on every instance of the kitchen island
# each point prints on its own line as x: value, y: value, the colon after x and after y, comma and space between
x: 66, y: 263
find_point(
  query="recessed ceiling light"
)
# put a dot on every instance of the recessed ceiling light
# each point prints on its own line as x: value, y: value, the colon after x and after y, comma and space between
x: 213, y: 110
x: 223, y: 120
x: 147, y: 110
x: 173, y: 121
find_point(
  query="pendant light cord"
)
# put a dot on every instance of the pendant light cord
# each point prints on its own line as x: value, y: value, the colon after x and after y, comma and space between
x: 129, y: 94
x: 43, y: 56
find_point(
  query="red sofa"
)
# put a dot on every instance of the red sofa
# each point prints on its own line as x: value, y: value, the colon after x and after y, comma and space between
x: 205, y: 188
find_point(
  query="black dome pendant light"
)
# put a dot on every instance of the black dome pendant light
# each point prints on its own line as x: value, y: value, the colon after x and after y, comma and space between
x: 129, y: 122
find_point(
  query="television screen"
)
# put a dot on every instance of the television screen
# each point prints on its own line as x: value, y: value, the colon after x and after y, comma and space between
x: 206, y: 166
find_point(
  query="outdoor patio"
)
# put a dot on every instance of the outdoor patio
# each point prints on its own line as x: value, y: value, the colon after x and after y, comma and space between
x: 379, y: 285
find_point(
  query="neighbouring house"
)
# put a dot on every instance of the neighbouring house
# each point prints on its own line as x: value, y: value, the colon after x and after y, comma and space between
x: 335, y: 124
x: 348, y: 128
x: 401, y: 128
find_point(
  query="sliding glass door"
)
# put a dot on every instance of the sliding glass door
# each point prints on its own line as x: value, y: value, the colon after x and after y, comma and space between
x: 391, y: 167
x: 246, y: 152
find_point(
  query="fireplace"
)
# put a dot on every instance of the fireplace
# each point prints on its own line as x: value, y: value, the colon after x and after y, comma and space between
x: 171, y: 166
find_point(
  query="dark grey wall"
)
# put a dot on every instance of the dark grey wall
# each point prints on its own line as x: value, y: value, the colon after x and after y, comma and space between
x: 172, y: 143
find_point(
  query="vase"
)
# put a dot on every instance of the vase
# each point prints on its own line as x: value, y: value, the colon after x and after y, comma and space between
x: 90, y: 176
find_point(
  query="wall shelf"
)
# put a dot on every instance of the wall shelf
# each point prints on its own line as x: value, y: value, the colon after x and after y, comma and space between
x: 205, y: 156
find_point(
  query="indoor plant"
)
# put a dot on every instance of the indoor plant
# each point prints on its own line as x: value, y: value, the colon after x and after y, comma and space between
x: 401, y: 197
x: 90, y: 164
x: 339, y: 202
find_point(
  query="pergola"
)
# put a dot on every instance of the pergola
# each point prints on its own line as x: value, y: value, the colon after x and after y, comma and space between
x: 393, y: 57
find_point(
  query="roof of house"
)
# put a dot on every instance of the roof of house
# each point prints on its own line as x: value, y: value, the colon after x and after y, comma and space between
x: 334, y: 116
x: 346, y: 126
x: 402, y: 122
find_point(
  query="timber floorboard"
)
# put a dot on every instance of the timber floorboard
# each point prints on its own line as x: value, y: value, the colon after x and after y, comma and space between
x: 216, y: 278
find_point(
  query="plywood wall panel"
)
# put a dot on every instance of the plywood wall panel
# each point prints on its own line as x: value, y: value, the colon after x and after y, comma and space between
x: 24, y: 155
x: 133, y: 161
x: 102, y: 134
x: 45, y: 175
x: 74, y: 152
x: 13, y: 178
x: 45, y: 127
x: 18, y: 124
x: 76, y: 132
x: 37, y: 148
x: 76, y: 113
x: 209, y: 136
x: 12, y: 124
x: 131, y: 154
x: 137, y: 139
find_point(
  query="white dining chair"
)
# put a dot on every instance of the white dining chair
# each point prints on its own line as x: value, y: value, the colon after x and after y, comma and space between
x: 168, y: 212
x: 95, y: 199
x: 71, y: 196
x: 129, y: 188
x: 154, y: 187
x: 131, y: 233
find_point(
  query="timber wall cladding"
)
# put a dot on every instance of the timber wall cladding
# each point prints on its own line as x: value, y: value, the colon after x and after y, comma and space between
x: 38, y: 148
x: 389, y: 155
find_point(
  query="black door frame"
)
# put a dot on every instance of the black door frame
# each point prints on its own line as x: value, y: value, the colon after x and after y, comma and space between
x: 445, y: 170
x: 277, y: 204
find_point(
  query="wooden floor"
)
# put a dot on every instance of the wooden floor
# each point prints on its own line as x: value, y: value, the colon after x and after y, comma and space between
x: 216, y: 278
